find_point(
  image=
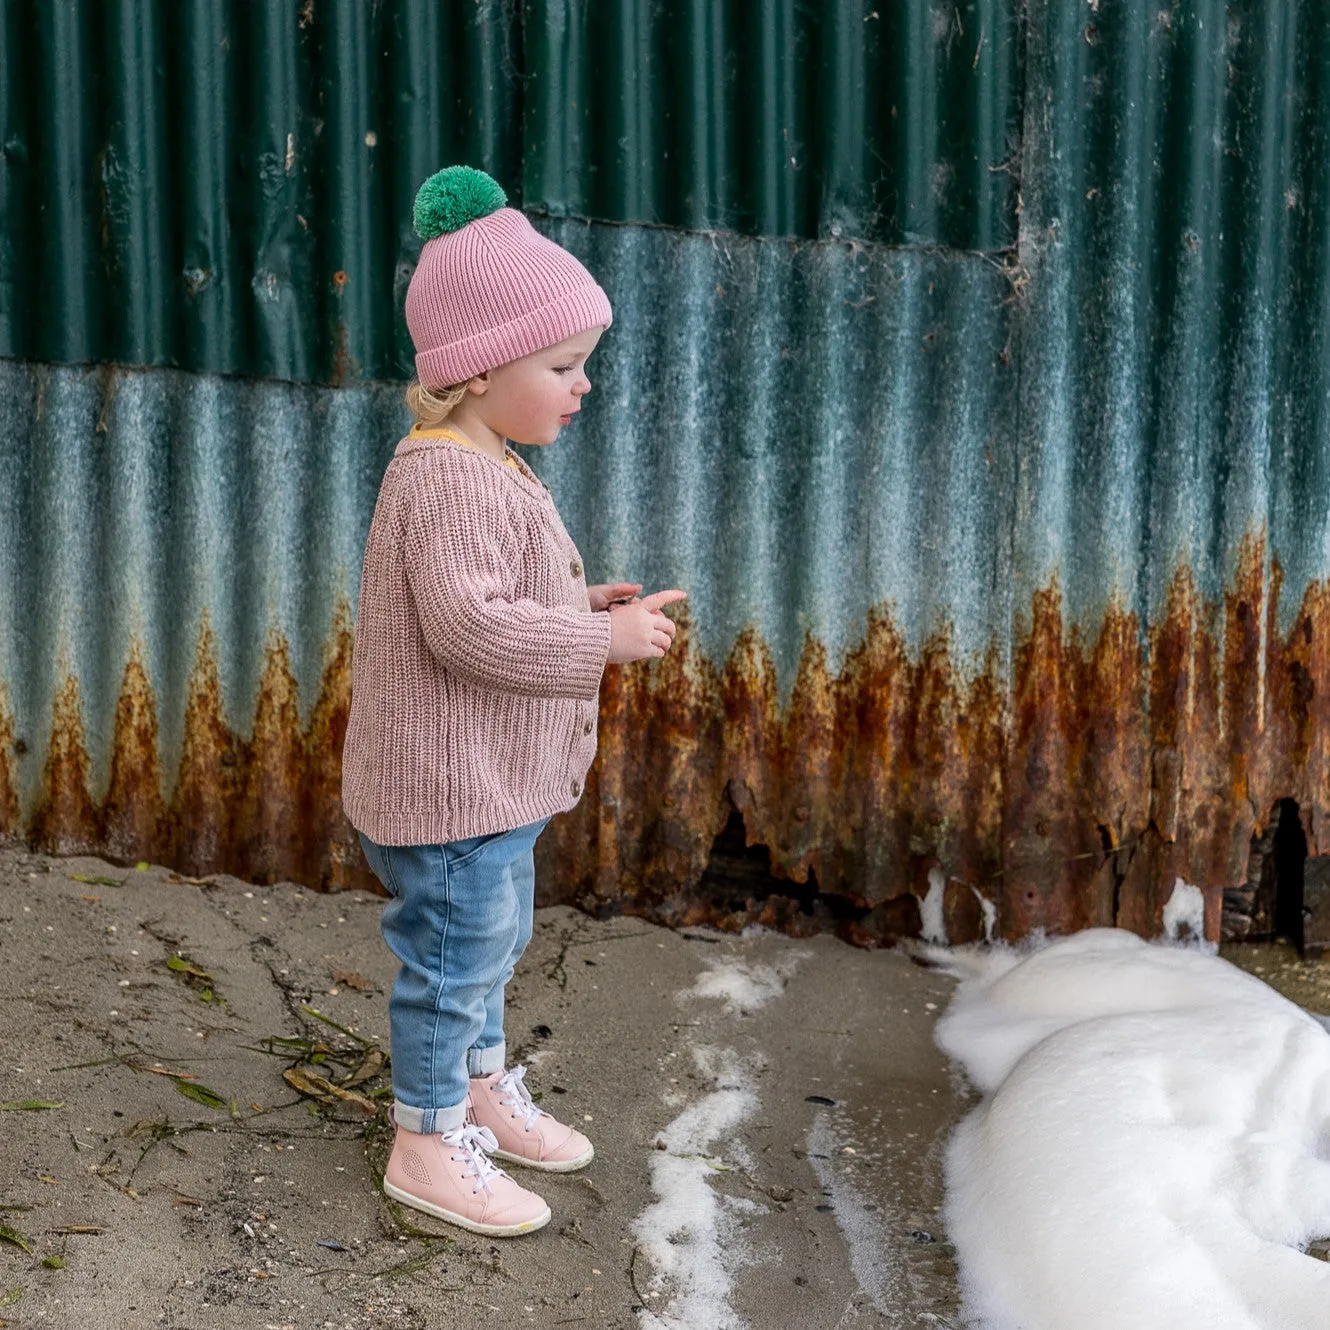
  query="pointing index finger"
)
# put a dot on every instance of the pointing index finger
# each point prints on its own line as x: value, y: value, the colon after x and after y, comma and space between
x: 658, y: 598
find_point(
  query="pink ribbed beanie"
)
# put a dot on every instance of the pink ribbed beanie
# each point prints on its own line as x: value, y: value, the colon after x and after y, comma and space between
x: 488, y: 288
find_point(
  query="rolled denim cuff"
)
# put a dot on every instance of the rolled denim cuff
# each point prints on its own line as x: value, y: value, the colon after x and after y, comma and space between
x: 425, y: 1121
x: 485, y: 1061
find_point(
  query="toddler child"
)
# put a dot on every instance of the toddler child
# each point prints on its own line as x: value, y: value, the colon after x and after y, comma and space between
x: 479, y: 650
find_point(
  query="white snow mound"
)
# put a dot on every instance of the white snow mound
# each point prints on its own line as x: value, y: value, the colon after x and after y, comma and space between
x: 1154, y: 1149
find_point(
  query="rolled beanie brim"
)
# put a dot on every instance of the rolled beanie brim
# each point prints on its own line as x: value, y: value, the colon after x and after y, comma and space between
x: 574, y: 312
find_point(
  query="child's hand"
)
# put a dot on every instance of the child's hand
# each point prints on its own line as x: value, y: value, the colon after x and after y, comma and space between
x: 639, y: 631
x: 605, y: 594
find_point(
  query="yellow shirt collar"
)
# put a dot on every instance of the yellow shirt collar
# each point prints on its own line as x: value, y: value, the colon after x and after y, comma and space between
x: 419, y: 431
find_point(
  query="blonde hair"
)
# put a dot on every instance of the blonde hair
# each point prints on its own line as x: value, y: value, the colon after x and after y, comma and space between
x: 432, y: 406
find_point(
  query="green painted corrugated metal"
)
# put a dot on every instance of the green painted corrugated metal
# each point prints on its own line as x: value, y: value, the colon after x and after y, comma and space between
x: 1008, y: 552
x: 226, y: 185
x: 1176, y: 237
x: 777, y: 118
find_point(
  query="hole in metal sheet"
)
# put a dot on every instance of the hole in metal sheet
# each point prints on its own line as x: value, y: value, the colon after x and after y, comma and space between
x: 1290, y: 862
x: 736, y: 871
x: 1270, y: 902
x: 738, y: 882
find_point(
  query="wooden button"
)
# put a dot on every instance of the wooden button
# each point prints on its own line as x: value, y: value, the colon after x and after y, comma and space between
x: 577, y: 789
x: 575, y: 568
x: 587, y: 727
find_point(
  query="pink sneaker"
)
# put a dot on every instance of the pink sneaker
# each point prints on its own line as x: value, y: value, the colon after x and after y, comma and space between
x: 449, y: 1175
x: 501, y: 1106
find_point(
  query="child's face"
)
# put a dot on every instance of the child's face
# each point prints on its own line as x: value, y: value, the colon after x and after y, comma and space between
x: 532, y: 399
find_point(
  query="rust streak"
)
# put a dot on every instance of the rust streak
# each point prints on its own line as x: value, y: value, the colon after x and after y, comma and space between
x: 9, y: 749
x: 208, y: 783
x: 268, y: 834
x: 134, y: 811
x: 66, y: 820
x: 332, y: 856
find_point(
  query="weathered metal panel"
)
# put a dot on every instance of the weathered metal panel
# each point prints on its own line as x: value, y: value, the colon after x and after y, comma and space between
x: 1015, y: 570
x: 1174, y: 434
x: 226, y: 186
x: 180, y: 555
x: 778, y: 118
x: 181, y: 552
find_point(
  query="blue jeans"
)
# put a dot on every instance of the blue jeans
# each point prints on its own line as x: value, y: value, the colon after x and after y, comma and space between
x: 459, y: 919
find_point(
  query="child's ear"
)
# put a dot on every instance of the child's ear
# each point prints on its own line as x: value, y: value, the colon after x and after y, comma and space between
x: 480, y: 384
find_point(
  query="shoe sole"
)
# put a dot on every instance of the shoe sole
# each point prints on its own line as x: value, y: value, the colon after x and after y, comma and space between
x: 489, y: 1230
x: 546, y: 1166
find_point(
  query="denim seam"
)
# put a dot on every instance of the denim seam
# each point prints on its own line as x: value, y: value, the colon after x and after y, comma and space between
x: 443, y: 942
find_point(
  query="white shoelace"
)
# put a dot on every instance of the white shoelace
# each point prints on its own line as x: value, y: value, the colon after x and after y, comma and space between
x: 514, y: 1094
x: 475, y: 1143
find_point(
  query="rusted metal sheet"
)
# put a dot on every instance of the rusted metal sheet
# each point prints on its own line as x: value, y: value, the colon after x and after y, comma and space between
x: 859, y: 785
x: 266, y: 807
x: 1008, y: 572
x: 180, y: 556
x: 1064, y: 807
x: 1114, y: 772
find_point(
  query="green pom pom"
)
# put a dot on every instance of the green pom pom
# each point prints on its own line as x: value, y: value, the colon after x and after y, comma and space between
x: 451, y: 198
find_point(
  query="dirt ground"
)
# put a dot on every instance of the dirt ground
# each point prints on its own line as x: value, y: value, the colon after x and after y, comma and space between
x: 192, y: 1120
x: 768, y: 1117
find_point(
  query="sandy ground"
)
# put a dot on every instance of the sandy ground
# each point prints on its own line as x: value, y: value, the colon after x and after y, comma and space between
x: 768, y: 1117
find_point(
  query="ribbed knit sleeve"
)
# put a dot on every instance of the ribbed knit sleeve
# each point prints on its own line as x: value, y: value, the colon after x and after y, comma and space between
x: 463, y: 546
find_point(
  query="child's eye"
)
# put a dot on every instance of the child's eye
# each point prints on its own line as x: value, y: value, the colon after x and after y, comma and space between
x: 562, y: 369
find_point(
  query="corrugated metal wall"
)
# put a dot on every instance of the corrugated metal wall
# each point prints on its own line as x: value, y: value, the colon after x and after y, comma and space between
x: 993, y: 455
x: 225, y: 185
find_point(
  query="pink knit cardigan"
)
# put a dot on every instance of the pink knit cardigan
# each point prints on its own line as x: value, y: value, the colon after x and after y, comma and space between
x: 477, y: 659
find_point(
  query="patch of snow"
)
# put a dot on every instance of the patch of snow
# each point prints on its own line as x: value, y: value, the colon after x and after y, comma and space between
x: 933, y: 923
x: 1154, y: 1147
x: 743, y: 1157
x: 744, y: 1205
x: 742, y: 985
x: 687, y: 1233
x: 976, y: 961
x: 1185, y: 909
x: 989, y: 911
